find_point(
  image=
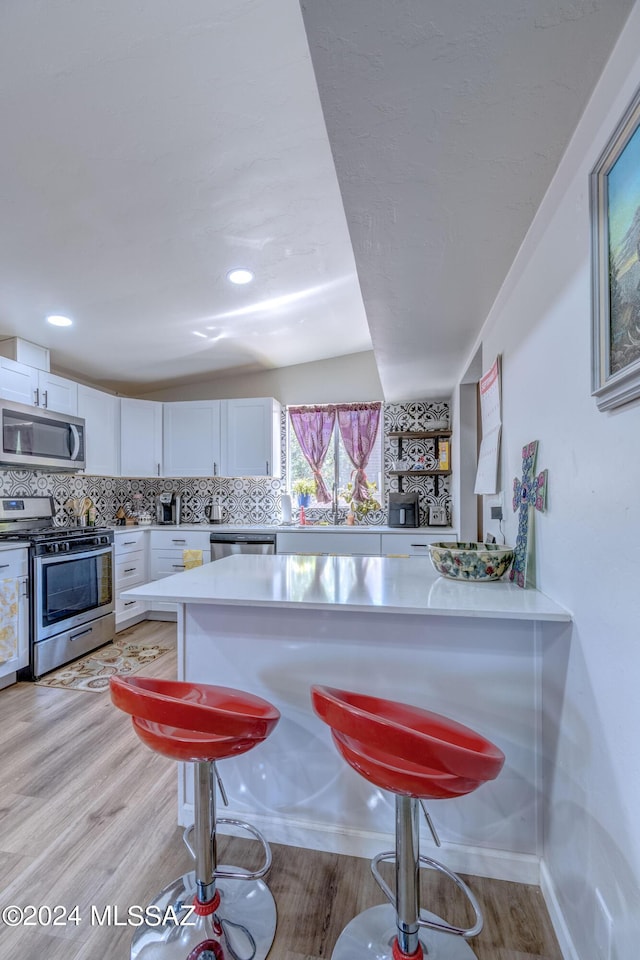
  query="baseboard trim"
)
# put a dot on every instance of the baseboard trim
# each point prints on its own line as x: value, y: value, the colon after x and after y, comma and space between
x: 556, y: 915
x: 478, y: 861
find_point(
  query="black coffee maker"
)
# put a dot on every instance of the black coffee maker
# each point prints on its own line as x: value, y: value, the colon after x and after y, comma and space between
x: 404, y: 510
x: 168, y: 508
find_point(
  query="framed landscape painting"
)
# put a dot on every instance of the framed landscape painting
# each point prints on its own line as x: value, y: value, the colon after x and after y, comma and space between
x: 615, y: 257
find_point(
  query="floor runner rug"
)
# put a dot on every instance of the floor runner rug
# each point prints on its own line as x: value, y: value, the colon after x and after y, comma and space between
x: 93, y: 671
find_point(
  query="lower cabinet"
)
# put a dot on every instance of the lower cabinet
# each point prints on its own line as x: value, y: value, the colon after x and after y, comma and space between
x: 14, y: 613
x: 415, y: 544
x: 166, y: 557
x: 307, y: 543
x: 130, y: 571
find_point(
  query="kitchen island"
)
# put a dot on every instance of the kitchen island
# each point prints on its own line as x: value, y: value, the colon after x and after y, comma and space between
x: 391, y: 627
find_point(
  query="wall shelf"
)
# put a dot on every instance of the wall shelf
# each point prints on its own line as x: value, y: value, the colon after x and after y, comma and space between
x: 419, y: 434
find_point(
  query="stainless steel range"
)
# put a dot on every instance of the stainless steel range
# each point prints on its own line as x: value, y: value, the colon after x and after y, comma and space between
x: 71, y: 583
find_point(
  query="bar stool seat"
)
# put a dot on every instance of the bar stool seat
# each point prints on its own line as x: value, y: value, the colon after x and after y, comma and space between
x: 417, y: 755
x: 235, y: 914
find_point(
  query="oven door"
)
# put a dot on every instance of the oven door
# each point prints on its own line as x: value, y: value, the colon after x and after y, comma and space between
x: 71, y: 589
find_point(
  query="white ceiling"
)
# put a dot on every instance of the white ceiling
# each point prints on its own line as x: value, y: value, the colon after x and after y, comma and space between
x: 148, y: 148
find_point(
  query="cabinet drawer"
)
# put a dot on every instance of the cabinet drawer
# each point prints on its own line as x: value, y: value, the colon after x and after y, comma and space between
x: 131, y: 569
x: 180, y: 539
x: 335, y: 544
x: 164, y: 563
x: 414, y: 544
x: 129, y: 541
x: 126, y: 608
x: 13, y: 563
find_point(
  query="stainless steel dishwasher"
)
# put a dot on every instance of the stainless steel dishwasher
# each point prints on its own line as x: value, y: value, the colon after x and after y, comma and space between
x: 226, y: 544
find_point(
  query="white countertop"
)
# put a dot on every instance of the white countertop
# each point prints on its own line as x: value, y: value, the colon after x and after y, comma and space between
x: 365, y: 584
x: 284, y: 527
x: 11, y: 545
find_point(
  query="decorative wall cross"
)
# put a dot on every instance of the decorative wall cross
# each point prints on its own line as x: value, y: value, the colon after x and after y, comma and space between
x: 528, y: 493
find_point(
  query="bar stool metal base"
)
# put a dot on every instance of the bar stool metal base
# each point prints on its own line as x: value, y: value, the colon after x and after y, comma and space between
x: 370, y: 936
x: 245, y: 905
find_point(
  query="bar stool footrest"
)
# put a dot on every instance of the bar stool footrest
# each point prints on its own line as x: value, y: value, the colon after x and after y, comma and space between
x: 429, y: 920
x: 239, y: 873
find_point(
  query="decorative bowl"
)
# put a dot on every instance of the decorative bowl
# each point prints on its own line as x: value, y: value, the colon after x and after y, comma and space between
x: 471, y: 561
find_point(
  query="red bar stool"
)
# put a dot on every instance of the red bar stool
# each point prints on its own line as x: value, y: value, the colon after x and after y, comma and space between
x: 235, y: 914
x: 416, y: 755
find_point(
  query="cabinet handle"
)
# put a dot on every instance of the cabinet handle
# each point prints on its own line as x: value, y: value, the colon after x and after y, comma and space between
x: 215, y: 469
x: 178, y: 541
x: 128, y: 543
x: 130, y: 569
x: 36, y: 397
x: 267, y: 462
x: 4, y: 565
x: 423, y: 545
x: 178, y: 566
x: 45, y: 394
x: 158, y: 469
x: 82, y: 633
x: 129, y: 603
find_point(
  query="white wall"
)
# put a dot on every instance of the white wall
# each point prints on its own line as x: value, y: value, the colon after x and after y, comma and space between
x: 587, y: 555
x: 338, y: 380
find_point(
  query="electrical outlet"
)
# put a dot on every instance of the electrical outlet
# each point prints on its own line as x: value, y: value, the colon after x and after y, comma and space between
x: 603, y: 929
x: 496, y: 513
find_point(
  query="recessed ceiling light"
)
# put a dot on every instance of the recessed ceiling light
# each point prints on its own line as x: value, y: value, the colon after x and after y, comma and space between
x: 240, y: 275
x: 59, y: 321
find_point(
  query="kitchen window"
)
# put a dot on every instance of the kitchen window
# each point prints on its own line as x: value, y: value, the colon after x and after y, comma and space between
x: 337, y: 467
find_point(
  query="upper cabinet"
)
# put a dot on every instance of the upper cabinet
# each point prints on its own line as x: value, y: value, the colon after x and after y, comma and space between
x: 140, y: 438
x: 38, y: 388
x: 251, y: 437
x: 230, y: 438
x: 101, y: 412
x: 191, y: 435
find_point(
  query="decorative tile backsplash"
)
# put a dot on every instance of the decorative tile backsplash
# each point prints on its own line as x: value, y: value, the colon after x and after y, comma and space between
x: 244, y: 500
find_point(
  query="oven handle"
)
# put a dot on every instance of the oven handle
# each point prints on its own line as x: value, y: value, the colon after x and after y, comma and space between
x: 64, y: 557
x: 74, y: 433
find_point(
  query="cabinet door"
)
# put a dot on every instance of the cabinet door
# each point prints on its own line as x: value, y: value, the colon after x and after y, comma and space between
x: 101, y: 412
x: 251, y: 437
x: 14, y: 584
x: 140, y: 438
x: 191, y: 438
x: 57, y: 393
x: 18, y: 382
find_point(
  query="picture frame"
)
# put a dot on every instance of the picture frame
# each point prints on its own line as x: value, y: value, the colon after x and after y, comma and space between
x: 615, y: 265
x: 437, y: 516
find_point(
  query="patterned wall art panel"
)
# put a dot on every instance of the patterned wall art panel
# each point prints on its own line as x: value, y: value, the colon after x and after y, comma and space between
x: 244, y: 500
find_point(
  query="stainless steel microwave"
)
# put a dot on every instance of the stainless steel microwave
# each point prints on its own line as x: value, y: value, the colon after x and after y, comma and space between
x: 41, y: 439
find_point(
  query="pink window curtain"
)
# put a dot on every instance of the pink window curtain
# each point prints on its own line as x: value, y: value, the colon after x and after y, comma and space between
x: 313, y: 426
x: 358, y: 423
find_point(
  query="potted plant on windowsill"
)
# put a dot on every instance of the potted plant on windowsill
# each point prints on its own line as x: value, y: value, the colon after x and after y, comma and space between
x: 358, y: 509
x: 304, y: 489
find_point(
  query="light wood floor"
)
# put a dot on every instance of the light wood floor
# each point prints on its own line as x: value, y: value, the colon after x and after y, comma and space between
x: 88, y: 817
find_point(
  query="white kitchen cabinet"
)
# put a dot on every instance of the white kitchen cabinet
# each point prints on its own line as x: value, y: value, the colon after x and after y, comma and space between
x: 166, y: 557
x: 131, y: 569
x: 413, y: 543
x: 14, y: 610
x: 191, y: 438
x: 57, y: 393
x: 140, y: 438
x: 38, y: 388
x: 317, y: 543
x: 101, y: 412
x: 251, y: 437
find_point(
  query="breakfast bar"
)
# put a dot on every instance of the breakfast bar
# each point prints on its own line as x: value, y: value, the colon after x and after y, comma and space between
x: 390, y: 627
